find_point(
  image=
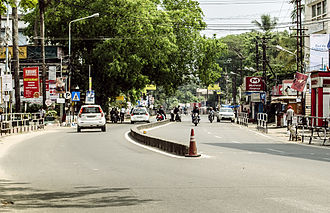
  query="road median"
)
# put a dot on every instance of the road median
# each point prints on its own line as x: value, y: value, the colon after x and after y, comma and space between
x: 168, y: 146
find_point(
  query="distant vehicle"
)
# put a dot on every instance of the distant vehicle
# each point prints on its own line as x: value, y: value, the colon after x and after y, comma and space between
x: 140, y: 114
x: 160, y: 117
x: 91, y: 116
x: 225, y: 114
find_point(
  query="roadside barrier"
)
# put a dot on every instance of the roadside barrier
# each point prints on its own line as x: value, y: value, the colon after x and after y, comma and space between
x: 262, y: 119
x: 243, y: 119
x: 165, y: 145
x: 20, y: 122
x: 313, y: 127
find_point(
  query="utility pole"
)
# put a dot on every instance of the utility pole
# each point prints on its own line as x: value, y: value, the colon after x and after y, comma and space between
x: 42, y: 5
x: 16, y: 57
x: 264, y: 68
x: 300, y: 45
x: 257, y: 55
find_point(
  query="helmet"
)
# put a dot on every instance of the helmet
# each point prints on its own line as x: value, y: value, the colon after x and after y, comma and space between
x: 289, y: 107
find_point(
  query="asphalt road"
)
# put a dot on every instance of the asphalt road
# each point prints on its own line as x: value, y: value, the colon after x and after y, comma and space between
x: 93, y: 171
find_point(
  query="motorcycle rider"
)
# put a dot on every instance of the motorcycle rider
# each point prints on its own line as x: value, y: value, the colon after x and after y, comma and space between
x: 176, y: 112
x: 211, y: 113
x: 195, y: 110
x: 161, y: 112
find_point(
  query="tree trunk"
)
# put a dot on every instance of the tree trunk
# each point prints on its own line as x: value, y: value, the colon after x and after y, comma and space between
x: 42, y: 41
x: 16, y: 58
x: 35, y: 31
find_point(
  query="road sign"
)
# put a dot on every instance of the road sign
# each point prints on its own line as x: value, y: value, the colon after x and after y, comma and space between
x: 48, y: 102
x: 67, y: 95
x: 75, y: 96
x: 90, y: 97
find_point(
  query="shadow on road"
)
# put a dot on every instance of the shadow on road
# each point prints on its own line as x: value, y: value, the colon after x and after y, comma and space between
x: 287, y: 150
x: 20, y: 196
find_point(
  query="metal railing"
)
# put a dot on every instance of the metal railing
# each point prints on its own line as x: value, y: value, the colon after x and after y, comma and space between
x: 243, y: 118
x: 262, y: 119
x: 20, y: 122
x: 313, y: 127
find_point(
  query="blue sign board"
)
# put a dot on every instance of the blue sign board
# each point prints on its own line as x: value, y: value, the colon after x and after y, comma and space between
x: 75, y: 96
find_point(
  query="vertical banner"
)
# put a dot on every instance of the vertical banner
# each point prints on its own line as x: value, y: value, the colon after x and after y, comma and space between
x: 299, y: 82
x: 319, y: 52
x: 52, y: 73
x: 31, y: 82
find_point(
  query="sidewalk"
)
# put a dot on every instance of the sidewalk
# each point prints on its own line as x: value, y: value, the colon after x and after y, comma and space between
x: 282, y: 134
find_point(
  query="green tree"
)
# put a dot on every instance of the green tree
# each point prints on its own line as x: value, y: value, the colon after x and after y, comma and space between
x: 267, y: 23
x: 133, y: 43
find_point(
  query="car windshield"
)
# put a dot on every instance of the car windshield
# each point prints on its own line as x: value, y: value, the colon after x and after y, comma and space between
x: 93, y: 109
x: 139, y: 111
x: 226, y: 110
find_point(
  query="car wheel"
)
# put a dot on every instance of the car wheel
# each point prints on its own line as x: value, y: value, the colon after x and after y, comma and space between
x: 218, y: 120
x: 132, y: 122
x: 103, y: 128
x: 148, y: 121
x: 78, y: 129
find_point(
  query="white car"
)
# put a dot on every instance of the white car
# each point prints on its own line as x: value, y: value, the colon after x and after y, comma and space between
x: 140, y: 114
x: 226, y: 114
x: 91, y: 116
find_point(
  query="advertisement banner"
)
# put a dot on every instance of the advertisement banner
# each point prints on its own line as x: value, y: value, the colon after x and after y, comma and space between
x: 31, y: 82
x: 299, y: 82
x: 60, y: 85
x: 319, y: 52
x: 254, y: 84
x: 7, y: 82
x: 52, y: 73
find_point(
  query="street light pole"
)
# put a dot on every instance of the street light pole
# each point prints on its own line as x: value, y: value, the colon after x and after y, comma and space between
x: 76, y: 20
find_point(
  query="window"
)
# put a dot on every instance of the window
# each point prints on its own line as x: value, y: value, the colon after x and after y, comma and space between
x: 319, y: 10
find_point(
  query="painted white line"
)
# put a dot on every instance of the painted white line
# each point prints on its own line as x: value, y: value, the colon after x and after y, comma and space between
x: 156, y: 127
x: 275, y: 150
x: 150, y: 148
x: 326, y: 158
x: 235, y: 142
x: 261, y: 134
x: 209, y: 133
x: 217, y: 136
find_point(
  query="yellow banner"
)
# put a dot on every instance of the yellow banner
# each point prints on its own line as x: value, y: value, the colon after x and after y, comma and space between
x: 213, y: 87
x: 22, y: 51
x: 151, y: 87
x: 120, y: 98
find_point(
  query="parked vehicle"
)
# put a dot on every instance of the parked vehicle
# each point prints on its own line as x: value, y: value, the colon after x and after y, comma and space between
x: 195, y: 118
x: 140, y: 114
x: 226, y: 114
x: 91, y: 116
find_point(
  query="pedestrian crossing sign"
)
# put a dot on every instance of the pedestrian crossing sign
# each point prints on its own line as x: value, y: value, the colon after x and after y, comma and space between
x: 75, y: 96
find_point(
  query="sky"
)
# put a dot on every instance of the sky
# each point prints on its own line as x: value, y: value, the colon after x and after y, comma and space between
x: 225, y: 17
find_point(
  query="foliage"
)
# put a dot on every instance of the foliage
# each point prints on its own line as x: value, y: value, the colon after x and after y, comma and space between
x: 23, y: 4
x: 133, y: 43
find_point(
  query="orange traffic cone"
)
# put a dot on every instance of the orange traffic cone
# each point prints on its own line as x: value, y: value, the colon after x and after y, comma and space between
x: 192, y: 146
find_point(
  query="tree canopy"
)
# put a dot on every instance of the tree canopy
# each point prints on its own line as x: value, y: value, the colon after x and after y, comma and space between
x: 133, y: 43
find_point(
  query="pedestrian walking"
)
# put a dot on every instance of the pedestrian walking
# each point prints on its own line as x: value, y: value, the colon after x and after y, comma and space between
x: 289, y: 117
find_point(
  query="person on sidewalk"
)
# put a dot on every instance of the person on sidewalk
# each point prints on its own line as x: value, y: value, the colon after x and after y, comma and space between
x: 289, y: 116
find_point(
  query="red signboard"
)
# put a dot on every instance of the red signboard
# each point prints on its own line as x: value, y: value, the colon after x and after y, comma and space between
x: 31, y: 82
x: 254, y: 84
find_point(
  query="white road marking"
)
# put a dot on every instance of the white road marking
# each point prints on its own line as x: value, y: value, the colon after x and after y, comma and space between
x: 209, y: 133
x: 326, y: 158
x: 217, y: 136
x: 261, y: 134
x: 275, y: 150
x: 235, y: 142
x: 156, y: 127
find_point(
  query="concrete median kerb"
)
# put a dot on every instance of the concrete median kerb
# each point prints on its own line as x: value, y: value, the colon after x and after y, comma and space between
x: 168, y: 146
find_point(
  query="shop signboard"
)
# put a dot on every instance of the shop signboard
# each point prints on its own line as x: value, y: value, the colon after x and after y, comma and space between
x: 255, y: 84
x: 31, y: 82
x: 299, y: 82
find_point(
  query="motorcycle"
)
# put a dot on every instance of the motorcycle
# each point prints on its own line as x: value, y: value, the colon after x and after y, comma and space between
x: 160, y: 117
x: 114, y: 118
x: 195, y: 119
x: 211, y: 117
